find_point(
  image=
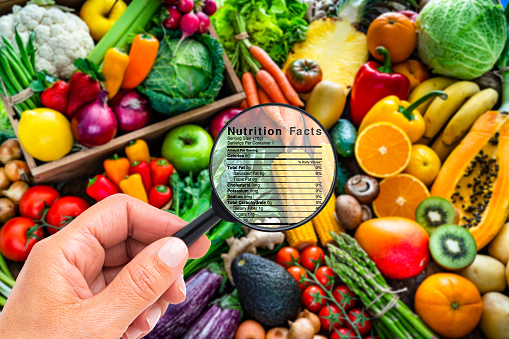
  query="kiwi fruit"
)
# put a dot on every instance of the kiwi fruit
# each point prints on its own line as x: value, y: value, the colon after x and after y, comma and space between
x: 433, y: 212
x: 452, y: 247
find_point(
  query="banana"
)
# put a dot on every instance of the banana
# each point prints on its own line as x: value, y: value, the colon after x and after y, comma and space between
x: 442, y: 150
x: 441, y: 110
x: 465, y: 117
x: 433, y: 84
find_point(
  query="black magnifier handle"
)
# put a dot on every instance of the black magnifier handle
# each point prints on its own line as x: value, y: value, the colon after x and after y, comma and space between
x: 196, y: 228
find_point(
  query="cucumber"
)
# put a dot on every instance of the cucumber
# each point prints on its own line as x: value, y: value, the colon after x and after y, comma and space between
x: 344, y: 173
x: 343, y: 135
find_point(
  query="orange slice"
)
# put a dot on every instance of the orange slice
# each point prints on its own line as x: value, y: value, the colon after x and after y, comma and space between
x: 383, y: 150
x: 399, y: 196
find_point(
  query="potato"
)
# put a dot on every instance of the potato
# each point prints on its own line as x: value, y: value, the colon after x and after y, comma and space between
x: 495, y: 316
x: 487, y: 274
x: 499, y: 248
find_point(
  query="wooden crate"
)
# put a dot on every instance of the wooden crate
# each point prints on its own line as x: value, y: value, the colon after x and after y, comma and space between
x: 88, y: 160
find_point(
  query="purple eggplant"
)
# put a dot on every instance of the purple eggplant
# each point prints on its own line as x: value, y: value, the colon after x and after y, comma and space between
x: 201, y: 287
x: 219, y: 321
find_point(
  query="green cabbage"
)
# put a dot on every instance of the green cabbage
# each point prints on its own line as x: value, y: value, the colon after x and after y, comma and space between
x: 461, y: 39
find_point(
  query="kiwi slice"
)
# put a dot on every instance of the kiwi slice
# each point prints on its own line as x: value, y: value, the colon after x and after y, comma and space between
x: 433, y: 212
x: 452, y: 247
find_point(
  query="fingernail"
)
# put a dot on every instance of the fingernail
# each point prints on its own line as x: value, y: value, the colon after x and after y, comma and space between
x: 181, y: 285
x: 173, y: 253
x: 153, y: 316
x: 132, y: 332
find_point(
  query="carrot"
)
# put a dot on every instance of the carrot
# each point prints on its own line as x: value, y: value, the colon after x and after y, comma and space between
x: 268, y: 64
x: 249, y: 84
x: 269, y: 85
x: 244, y: 105
x: 264, y: 98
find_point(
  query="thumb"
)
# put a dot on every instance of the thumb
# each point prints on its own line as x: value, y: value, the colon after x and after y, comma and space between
x: 143, y: 280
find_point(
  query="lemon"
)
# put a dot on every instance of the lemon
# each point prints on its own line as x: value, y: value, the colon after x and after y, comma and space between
x: 45, y: 134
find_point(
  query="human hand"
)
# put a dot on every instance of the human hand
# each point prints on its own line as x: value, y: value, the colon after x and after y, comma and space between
x: 109, y: 273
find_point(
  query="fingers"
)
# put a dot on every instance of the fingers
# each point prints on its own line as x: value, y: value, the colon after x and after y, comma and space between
x: 143, y: 280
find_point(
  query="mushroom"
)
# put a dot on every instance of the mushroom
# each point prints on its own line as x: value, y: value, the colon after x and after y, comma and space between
x: 366, y: 213
x: 348, y: 211
x: 364, y: 188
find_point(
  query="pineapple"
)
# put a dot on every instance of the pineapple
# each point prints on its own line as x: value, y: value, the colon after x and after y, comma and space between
x: 338, y: 48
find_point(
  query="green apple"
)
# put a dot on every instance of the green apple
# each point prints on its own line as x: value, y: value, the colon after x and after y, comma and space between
x: 187, y: 148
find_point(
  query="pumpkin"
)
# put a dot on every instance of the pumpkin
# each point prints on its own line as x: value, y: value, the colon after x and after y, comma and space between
x: 396, y: 33
x: 475, y: 177
x: 449, y: 304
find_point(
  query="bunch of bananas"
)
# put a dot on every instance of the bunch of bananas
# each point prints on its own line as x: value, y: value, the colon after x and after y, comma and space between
x: 448, y: 121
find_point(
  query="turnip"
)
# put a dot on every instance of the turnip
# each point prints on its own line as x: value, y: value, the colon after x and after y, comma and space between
x: 185, y: 6
x: 210, y: 7
x: 173, y: 20
x: 203, y: 22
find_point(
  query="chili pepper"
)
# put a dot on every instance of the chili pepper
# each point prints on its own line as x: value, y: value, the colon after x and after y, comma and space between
x: 116, y: 169
x: 161, y: 170
x: 114, y: 66
x: 99, y: 188
x: 142, y: 56
x: 133, y: 186
x: 401, y: 113
x: 373, y: 83
x: 142, y: 168
x: 159, y: 196
x: 137, y: 150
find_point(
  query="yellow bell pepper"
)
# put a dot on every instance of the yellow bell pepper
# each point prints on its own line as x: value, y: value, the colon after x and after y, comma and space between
x: 401, y: 113
x: 137, y: 150
x: 133, y: 186
x: 114, y: 66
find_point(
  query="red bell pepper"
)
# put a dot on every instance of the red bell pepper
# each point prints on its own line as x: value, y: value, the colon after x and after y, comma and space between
x: 99, y: 188
x: 142, y: 168
x: 161, y: 170
x: 373, y: 83
x: 159, y: 196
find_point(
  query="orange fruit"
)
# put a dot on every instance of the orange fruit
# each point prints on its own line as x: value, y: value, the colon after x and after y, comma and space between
x: 449, y: 304
x: 424, y: 164
x: 399, y: 196
x: 382, y: 150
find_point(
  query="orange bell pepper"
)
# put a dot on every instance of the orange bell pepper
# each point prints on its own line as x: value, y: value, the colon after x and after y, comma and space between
x: 116, y: 169
x: 141, y: 58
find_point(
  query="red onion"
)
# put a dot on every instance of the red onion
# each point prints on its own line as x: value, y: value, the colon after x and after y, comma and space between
x: 132, y: 110
x: 95, y: 123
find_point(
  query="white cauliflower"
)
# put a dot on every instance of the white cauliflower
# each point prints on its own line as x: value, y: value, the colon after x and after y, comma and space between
x: 60, y: 37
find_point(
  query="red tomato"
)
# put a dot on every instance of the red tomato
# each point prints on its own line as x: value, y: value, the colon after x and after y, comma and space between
x: 344, y: 297
x: 325, y: 276
x: 311, y: 257
x: 343, y: 333
x: 299, y: 274
x: 360, y: 319
x: 35, y: 200
x: 303, y: 74
x: 313, y: 298
x: 331, y: 317
x: 287, y: 257
x: 63, y: 211
x: 14, y: 235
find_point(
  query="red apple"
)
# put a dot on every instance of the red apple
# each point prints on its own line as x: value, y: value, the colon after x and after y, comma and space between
x: 221, y: 119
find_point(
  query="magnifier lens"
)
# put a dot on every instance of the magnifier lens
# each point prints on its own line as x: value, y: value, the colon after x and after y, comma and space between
x: 273, y: 167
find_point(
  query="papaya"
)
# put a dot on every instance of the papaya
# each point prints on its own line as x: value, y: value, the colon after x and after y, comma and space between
x: 475, y: 177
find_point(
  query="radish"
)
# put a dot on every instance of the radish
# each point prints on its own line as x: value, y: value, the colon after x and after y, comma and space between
x: 188, y: 25
x: 203, y: 22
x: 185, y: 6
x: 173, y: 21
x: 210, y: 7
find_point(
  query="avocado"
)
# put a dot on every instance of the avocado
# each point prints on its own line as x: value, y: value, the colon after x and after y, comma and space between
x: 343, y: 135
x: 267, y: 292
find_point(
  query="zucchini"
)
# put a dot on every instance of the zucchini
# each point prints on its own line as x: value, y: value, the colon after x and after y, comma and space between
x: 343, y: 135
x: 344, y: 173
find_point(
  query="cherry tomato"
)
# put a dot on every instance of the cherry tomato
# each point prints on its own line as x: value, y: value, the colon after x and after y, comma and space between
x: 313, y: 298
x: 63, y: 211
x: 331, y: 317
x: 14, y: 235
x: 287, y: 257
x: 325, y: 276
x: 360, y: 319
x: 311, y: 257
x: 303, y: 74
x: 36, y: 199
x: 299, y: 274
x: 343, y: 333
x: 344, y: 297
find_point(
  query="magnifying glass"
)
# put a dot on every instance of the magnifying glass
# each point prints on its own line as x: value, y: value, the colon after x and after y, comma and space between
x: 272, y: 168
